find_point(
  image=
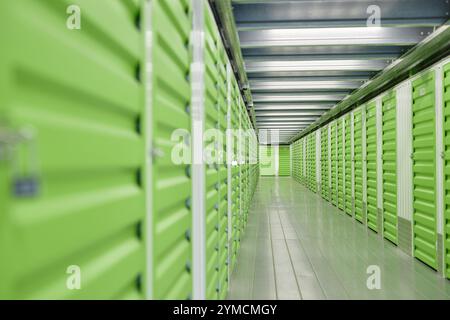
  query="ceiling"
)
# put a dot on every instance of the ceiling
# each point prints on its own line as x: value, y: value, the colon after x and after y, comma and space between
x: 303, y: 57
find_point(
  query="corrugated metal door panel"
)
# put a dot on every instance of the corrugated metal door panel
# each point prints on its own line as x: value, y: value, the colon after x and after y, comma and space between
x: 236, y: 178
x: 212, y: 178
x: 302, y: 157
x: 358, y: 165
x: 223, y: 174
x: 324, y: 161
x: 340, y: 164
x: 334, y: 197
x: 424, y: 164
x: 446, y: 229
x: 389, y: 164
x: 171, y: 183
x: 371, y: 171
x: 348, y: 164
x: 73, y: 100
x: 284, y: 161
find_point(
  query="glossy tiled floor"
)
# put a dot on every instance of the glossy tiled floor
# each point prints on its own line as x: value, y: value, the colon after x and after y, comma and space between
x: 298, y: 246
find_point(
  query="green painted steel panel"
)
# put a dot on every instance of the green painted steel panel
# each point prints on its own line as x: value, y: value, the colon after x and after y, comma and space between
x: 358, y: 164
x: 446, y: 222
x: 340, y: 164
x: 333, y: 141
x: 75, y: 102
x: 236, y: 174
x: 389, y: 164
x: 172, y: 248
x: 284, y: 161
x: 348, y: 164
x: 300, y: 160
x: 371, y: 166
x: 424, y: 169
x: 324, y: 162
x: 222, y: 186
x: 211, y: 168
x: 267, y: 161
x: 312, y: 182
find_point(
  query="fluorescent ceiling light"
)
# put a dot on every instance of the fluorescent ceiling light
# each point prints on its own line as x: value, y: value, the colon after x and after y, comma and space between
x: 297, y: 97
x: 304, y: 85
x: 322, y: 65
x: 351, y: 36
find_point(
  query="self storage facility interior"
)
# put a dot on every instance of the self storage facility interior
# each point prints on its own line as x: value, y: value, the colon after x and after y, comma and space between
x: 329, y: 178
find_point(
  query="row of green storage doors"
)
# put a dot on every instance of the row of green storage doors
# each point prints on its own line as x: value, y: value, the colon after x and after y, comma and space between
x: 73, y: 163
x: 357, y: 194
x: 304, y: 161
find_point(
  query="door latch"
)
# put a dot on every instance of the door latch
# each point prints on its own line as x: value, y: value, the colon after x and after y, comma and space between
x: 18, y: 148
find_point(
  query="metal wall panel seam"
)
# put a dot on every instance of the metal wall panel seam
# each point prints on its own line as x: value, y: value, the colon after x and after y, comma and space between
x: 379, y: 115
x: 439, y: 161
x: 198, y: 172
x: 147, y: 9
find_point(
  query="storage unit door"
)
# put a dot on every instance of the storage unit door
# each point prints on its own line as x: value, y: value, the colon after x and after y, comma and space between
x: 348, y: 165
x: 172, y: 218
x: 446, y: 228
x: 371, y: 171
x: 334, y: 197
x: 324, y: 162
x: 223, y: 176
x: 389, y: 164
x: 267, y: 160
x: 211, y: 167
x: 235, y: 173
x: 424, y: 169
x: 358, y: 164
x: 284, y: 161
x: 312, y: 150
x: 301, y: 160
x: 340, y: 164
x: 73, y: 192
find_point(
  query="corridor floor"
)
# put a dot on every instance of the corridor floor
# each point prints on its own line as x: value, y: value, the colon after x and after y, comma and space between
x: 298, y: 246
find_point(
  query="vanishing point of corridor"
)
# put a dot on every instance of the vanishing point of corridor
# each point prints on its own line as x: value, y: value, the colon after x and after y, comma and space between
x: 298, y: 246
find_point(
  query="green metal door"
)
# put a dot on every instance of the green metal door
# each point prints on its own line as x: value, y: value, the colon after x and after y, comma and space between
x: 358, y: 164
x: 267, y: 160
x: 301, y: 161
x: 72, y: 103
x: 312, y: 162
x: 389, y: 164
x: 333, y: 141
x: 172, y: 251
x: 424, y: 169
x: 446, y: 222
x: 235, y: 172
x: 223, y: 174
x: 284, y: 161
x: 348, y: 164
x: 211, y: 167
x: 324, y: 161
x: 371, y: 166
x: 340, y: 164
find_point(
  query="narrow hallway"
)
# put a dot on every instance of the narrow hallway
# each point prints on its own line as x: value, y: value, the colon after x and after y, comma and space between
x: 298, y: 246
